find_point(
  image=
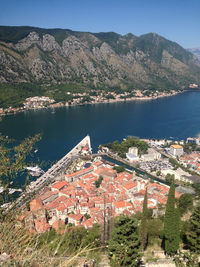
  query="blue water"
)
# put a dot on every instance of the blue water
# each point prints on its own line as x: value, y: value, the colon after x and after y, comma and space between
x: 177, y: 117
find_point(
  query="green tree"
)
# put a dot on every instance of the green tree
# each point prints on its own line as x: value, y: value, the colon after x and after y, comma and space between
x: 158, y: 173
x: 155, y: 228
x: 13, y: 159
x: 171, y: 224
x: 186, y: 259
x: 124, y: 245
x: 143, y: 225
x: 169, y: 177
x: 185, y: 202
x: 193, y: 236
x: 119, y: 169
x: 98, y: 182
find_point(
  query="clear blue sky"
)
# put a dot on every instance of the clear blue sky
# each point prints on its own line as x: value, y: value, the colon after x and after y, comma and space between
x: 177, y: 20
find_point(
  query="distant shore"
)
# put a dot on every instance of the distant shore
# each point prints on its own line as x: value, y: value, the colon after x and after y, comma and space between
x: 104, y: 101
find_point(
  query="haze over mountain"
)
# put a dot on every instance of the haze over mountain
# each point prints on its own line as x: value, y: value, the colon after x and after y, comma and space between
x: 46, y: 56
x: 195, y: 51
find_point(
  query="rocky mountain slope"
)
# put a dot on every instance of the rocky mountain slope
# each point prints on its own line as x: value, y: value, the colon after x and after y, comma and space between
x: 47, y: 56
x: 195, y: 51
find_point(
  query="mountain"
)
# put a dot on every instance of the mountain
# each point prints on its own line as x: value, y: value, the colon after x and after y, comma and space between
x: 101, y: 60
x: 195, y: 51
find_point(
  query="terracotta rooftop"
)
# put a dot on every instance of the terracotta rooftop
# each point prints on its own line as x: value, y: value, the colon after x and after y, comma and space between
x: 130, y: 185
x: 98, y: 163
x: 76, y: 217
x: 35, y: 204
x: 119, y: 204
x: 81, y: 172
x: 59, y: 185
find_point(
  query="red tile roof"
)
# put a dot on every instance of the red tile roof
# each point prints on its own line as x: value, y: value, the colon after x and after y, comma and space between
x: 35, y: 204
x: 130, y: 185
x: 119, y: 204
x: 60, y: 185
x: 81, y: 172
x: 76, y: 217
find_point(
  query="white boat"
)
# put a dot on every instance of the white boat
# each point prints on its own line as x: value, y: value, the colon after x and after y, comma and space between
x: 34, y: 171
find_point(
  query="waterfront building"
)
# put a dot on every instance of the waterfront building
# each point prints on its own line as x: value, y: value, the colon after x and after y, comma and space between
x: 176, y: 150
x: 191, y: 140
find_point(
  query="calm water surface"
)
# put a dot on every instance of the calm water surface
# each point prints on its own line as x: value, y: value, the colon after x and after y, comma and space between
x: 177, y: 117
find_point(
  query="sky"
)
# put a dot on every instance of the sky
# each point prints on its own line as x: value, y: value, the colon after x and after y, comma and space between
x: 176, y: 20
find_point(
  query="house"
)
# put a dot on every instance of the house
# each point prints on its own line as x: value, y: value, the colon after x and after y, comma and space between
x: 119, y: 206
x: 88, y: 223
x: 131, y: 187
x: 75, y: 219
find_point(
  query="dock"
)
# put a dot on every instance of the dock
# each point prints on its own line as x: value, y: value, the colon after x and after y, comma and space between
x: 53, y: 172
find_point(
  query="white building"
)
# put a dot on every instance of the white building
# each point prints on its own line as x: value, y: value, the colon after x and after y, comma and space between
x: 147, y: 157
x: 179, y: 174
x: 133, y: 150
x: 132, y: 154
x: 151, y: 156
x: 154, y: 153
x: 191, y: 140
x: 131, y: 157
x: 176, y: 150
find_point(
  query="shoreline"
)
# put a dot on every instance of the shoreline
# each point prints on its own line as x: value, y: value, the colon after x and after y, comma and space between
x: 109, y: 101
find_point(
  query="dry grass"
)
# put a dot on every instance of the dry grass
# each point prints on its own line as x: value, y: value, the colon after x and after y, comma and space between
x: 25, y: 248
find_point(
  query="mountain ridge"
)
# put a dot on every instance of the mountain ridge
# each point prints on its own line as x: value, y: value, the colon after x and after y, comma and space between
x: 101, y: 60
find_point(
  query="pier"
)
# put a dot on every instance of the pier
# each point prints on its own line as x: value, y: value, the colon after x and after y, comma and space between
x: 53, y: 172
x: 64, y: 162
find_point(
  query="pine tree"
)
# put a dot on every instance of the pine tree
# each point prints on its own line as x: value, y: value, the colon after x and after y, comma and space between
x: 124, y: 245
x: 143, y: 225
x: 193, y: 237
x: 176, y: 228
x: 171, y: 224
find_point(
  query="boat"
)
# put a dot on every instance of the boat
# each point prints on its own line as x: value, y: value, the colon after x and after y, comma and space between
x: 34, y: 171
